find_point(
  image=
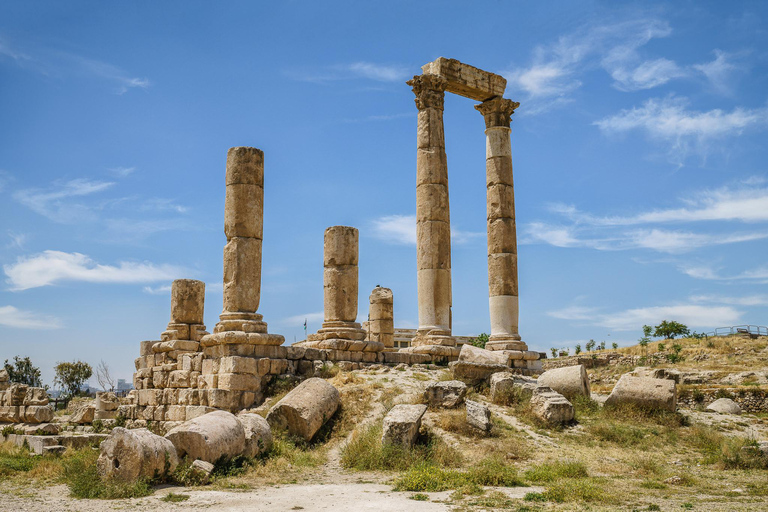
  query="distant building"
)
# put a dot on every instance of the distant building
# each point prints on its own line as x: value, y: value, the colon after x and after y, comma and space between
x: 123, y: 385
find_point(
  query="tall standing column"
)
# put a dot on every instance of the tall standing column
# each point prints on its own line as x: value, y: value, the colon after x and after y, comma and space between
x: 433, y: 223
x: 502, y: 235
x: 243, y: 226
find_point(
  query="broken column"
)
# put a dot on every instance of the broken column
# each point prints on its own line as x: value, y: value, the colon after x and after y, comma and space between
x: 187, y: 307
x: 502, y: 235
x: 433, y: 224
x: 381, y: 323
x: 340, y: 330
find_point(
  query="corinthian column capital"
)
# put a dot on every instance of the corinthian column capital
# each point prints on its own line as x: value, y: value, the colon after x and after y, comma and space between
x: 497, y: 111
x: 429, y: 91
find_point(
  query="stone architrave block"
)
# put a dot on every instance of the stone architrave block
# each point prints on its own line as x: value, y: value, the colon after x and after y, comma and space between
x: 402, y: 423
x: 128, y: 455
x: 258, y: 434
x: 550, y: 406
x: 644, y: 392
x: 446, y: 394
x: 466, y: 80
x: 569, y: 381
x: 478, y: 416
x: 305, y: 408
x: 209, y: 437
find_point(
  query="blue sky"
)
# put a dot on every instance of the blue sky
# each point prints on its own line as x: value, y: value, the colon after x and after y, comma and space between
x: 639, y: 154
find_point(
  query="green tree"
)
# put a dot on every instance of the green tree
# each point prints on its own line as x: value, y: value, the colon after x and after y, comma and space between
x: 647, y: 331
x: 602, y: 345
x: 615, y: 345
x: 480, y: 341
x: 669, y: 329
x: 590, y: 345
x: 554, y: 352
x: 643, y: 342
x: 72, y: 376
x: 578, y: 349
x: 23, y: 371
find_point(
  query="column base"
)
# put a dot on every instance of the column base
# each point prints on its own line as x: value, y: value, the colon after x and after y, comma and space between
x: 505, y: 342
x: 339, y: 331
x: 441, y: 337
x: 342, y: 344
x: 238, y: 321
x: 241, y: 338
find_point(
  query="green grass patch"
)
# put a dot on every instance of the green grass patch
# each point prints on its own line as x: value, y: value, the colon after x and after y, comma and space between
x: 582, y: 490
x: 16, y: 460
x: 426, y: 477
x: 172, y: 497
x: 551, y: 471
x: 419, y: 497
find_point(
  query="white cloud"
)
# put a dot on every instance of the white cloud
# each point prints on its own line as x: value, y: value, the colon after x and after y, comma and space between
x: 159, y: 204
x: 647, y: 75
x: 379, y: 72
x: 17, y: 240
x: 54, y: 203
x: 157, y: 290
x: 401, y: 230
x: 692, y: 315
x: 720, y: 71
x: 747, y: 300
x: 51, y: 267
x: 706, y: 272
x: 20, y: 319
x: 122, y: 171
x: 366, y: 70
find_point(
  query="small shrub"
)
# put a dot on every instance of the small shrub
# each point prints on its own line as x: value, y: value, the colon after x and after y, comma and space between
x: 172, y: 497
x: 419, y: 497
x: 587, y: 490
x: 120, y: 420
x: 426, y: 477
x: 698, y: 396
x: 534, y: 496
x: 494, y: 473
x: 98, y: 426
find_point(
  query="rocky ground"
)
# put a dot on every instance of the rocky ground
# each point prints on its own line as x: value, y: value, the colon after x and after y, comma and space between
x: 627, y: 463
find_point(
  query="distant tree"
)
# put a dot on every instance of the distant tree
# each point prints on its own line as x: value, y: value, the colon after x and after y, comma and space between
x: 554, y: 352
x: 72, y: 376
x: 670, y: 329
x: 22, y: 371
x: 480, y: 341
x: 602, y: 345
x: 643, y: 342
x: 590, y: 345
x: 615, y: 345
x: 103, y: 375
x: 578, y: 349
x: 675, y: 357
x: 647, y: 331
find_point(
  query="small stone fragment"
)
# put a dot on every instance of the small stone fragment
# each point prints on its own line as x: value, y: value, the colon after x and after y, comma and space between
x: 550, y: 406
x: 201, y: 471
x: 446, y: 394
x: 478, y: 416
x: 724, y: 406
x: 402, y: 424
x: 258, y: 435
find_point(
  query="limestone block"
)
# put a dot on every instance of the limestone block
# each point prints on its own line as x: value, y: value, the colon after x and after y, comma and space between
x: 223, y: 399
x: 38, y: 414
x: 195, y: 411
x: 170, y: 396
x: 569, y: 381
x: 106, y: 401
x: 159, y: 378
x: 16, y: 394
x: 150, y: 396
x: 500, y: 201
x: 128, y: 411
x: 245, y: 165
x: 197, y: 331
x: 104, y: 415
x: 478, y: 416
x: 278, y: 366
x: 432, y: 203
x: 340, y: 286
x: 83, y: 415
x: 4, y: 379
x: 724, y: 406
x: 550, y: 406
x: 430, y: 135
x: 433, y: 250
x: 210, y: 366
x: 502, y: 274
x: 471, y: 354
x: 498, y: 146
x: 657, y: 373
x: 466, y: 80
x: 201, y: 471
x: 475, y: 373
x: 644, y: 392
x: 179, y: 379
x: 263, y: 366
x: 176, y: 413
x: 431, y: 167
x: 242, y: 274
x: 243, y: 212
x: 506, y: 387
x: 445, y: 394
x: 187, y: 301
x: 160, y: 411
x: 340, y: 246
x: 10, y: 414
x: 258, y: 435
x: 128, y: 455
x: 36, y: 396
x: 239, y: 381
x: 146, y: 347
x: 168, y: 347
x: 402, y: 424
x: 235, y: 364
x: 306, y: 408
x: 498, y: 170
x: 295, y: 352
x: 209, y: 437
x: 502, y: 236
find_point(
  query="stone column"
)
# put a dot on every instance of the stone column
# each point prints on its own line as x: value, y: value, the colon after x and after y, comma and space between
x: 340, y: 288
x: 502, y: 236
x: 381, y: 323
x: 187, y: 307
x: 243, y: 226
x: 433, y: 224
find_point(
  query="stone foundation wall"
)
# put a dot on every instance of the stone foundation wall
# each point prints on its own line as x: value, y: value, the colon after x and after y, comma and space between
x: 750, y: 400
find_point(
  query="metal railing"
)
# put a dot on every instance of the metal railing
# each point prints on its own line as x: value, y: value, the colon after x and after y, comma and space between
x: 752, y: 330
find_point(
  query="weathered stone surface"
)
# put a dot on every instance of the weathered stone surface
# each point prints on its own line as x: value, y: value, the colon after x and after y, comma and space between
x: 107, y: 401
x: 657, y: 373
x: 187, y: 301
x: 209, y: 437
x: 724, y: 406
x: 472, y: 354
x: 4, y: 380
x: 243, y: 211
x: 131, y: 454
x: 340, y: 246
x: 83, y: 415
x: 446, y: 394
x: 38, y: 413
x: 474, y: 373
x: 550, y: 406
x: 466, y: 80
x: 242, y: 275
x: 569, y: 381
x: 506, y: 386
x: 478, y: 416
x: 402, y: 423
x: 381, y: 324
x: 36, y: 396
x: 306, y: 408
x: 258, y: 435
x: 644, y: 392
x: 201, y: 471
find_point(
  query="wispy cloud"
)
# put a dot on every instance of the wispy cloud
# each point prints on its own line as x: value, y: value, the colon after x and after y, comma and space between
x: 157, y: 290
x: 122, y: 171
x: 647, y: 75
x: 721, y: 71
x: 52, y: 267
x: 401, y: 230
x: 757, y: 275
x: 17, y: 240
x: 683, y: 130
x: 55, y: 62
x: 693, y: 315
x: 747, y: 300
x: 355, y: 70
x: 20, y: 319
x: 54, y: 202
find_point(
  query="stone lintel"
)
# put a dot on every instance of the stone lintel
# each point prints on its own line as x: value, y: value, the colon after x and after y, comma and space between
x: 466, y: 80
